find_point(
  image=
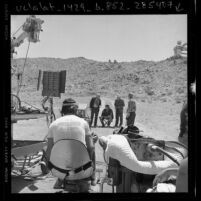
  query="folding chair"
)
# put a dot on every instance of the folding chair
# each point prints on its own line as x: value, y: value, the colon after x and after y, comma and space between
x: 106, y: 122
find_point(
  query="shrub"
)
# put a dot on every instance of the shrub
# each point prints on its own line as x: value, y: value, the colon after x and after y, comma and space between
x: 149, y: 91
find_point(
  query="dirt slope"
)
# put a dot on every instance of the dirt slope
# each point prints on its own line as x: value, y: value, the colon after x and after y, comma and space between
x: 148, y: 80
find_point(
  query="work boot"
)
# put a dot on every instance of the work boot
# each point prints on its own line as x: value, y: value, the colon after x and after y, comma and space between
x: 58, y: 184
x: 94, y: 182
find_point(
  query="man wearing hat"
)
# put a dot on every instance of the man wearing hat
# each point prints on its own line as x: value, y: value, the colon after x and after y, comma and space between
x: 69, y: 129
x: 107, y: 114
x: 95, y: 104
x: 119, y: 106
x: 131, y: 111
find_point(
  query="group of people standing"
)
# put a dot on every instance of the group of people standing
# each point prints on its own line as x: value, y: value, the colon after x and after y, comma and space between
x: 107, y: 113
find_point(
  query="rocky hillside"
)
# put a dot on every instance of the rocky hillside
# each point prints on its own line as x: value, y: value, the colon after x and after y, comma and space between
x: 148, y: 80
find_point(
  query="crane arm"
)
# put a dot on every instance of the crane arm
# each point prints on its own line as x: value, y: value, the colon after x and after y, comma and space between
x: 31, y: 29
x: 16, y: 42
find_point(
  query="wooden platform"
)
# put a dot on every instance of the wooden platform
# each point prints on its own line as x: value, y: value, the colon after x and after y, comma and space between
x: 28, y: 150
x: 25, y: 116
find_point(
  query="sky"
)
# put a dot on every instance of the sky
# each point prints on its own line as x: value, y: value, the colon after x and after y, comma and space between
x: 104, y: 37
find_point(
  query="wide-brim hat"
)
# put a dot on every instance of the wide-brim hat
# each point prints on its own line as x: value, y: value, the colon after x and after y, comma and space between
x: 179, y: 42
x: 69, y: 102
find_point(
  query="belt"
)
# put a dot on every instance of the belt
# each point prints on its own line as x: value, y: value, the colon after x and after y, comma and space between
x: 70, y: 172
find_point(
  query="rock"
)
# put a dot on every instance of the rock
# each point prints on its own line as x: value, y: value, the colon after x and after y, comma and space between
x: 149, y: 91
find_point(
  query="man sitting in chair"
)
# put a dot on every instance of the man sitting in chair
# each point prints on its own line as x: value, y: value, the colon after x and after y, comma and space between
x: 70, y: 150
x: 106, y: 116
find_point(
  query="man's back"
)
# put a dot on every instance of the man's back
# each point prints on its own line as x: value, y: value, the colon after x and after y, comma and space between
x: 69, y: 127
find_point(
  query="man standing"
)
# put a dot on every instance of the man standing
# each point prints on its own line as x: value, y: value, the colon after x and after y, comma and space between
x: 119, y: 106
x: 107, y: 114
x: 183, y: 120
x: 70, y: 126
x: 95, y: 104
x: 131, y: 111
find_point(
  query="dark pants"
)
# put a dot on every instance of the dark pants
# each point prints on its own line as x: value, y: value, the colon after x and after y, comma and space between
x: 94, y: 111
x: 93, y: 176
x: 183, y: 123
x: 119, y: 115
x: 76, y: 186
x: 131, y: 119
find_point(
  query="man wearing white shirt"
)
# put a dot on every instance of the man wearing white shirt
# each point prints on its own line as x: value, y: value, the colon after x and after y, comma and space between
x: 72, y: 127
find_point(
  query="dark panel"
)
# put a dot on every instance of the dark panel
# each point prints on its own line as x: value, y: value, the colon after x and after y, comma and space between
x: 62, y: 81
x: 51, y: 84
x: 39, y: 78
